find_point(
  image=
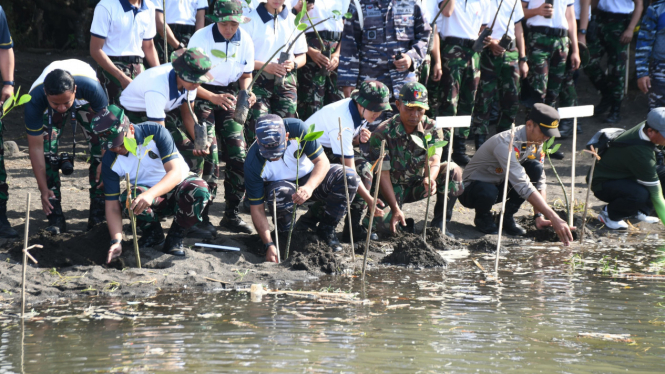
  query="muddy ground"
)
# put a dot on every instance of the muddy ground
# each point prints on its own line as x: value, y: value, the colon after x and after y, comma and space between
x: 73, y: 264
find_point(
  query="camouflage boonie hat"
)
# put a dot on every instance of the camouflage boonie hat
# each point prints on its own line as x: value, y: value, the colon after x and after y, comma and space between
x: 110, y: 126
x: 414, y: 94
x: 372, y: 95
x: 193, y: 66
x: 271, y: 136
x: 228, y: 10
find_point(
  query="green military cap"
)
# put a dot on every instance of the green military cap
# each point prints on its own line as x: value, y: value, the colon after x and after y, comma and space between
x: 228, y: 10
x: 110, y: 125
x: 193, y: 66
x: 414, y: 94
x: 372, y: 95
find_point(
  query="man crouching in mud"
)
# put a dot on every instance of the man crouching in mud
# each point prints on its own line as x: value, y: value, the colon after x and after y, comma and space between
x: 164, y: 185
x: 271, y: 169
x: 484, y: 176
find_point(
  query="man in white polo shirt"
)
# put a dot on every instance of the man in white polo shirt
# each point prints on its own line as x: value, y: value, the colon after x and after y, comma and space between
x: 232, y: 71
x: 552, y: 34
x: 271, y: 26
x: 122, y: 33
x: 183, y: 19
x: 458, y: 25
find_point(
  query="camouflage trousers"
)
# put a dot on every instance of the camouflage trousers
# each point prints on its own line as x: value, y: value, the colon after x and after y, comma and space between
x: 4, y: 187
x: 111, y: 84
x: 231, y: 142
x: 205, y: 167
x: 330, y: 191
x: 499, y: 81
x: 315, y: 89
x: 656, y: 94
x: 568, y: 94
x: 270, y: 98
x: 455, y: 93
x: 606, y: 41
x: 181, y: 32
x: 186, y: 202
x: 547, y: 66
x: 61, y: 122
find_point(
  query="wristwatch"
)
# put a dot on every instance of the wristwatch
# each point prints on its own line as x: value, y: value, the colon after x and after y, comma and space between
x: 582, y: 31
x: 523, y: 59
x: 115, y: 241
x: 8, y: 83
x: 267, y: 245
x: 538, y: 215
x: 180, y: 45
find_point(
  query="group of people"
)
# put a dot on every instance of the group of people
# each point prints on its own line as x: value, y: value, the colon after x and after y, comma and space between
x: 249, y: 88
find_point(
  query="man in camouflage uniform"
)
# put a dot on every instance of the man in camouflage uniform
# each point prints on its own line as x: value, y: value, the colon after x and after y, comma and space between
x: 165, y: 95
x: 404, y: 178
x: 390, y: 29
x: 317, y: 80
x: 161, y: 183
x: 7, y: 71
x: 650, y: 55
x: 615, y: 25
x: 183, y: 19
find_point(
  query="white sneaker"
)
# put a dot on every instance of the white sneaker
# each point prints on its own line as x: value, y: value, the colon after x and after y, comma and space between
x: 641, y: 216
x: 613, y: 225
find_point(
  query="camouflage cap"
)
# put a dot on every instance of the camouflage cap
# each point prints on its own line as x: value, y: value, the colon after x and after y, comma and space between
x: 193, y: 66
x: 110, y: 126
x: 228, y: 10
x: 271, y: 136
x: 372, y: 95
x: 414, y: 94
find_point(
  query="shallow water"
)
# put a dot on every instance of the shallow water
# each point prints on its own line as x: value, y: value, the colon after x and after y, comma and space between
x: 428, y: 321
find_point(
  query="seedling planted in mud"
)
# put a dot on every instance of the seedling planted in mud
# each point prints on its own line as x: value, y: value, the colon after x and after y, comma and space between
x: 548, y: 149
x: 431, y: 151
x: 240, y: 275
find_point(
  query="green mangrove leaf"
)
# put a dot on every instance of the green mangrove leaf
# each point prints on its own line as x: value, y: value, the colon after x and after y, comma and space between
x: 147, y: 140
x: 300, y: 14
x: 548, y: 143
x: 428, y: 137
x: 24, y: 99
x: 312, y: 127
x: 313, y: 136
x: 218, y: 53
x: 302, y: 27
x: 553, y: 149
x: 348, y: 15
x: 431, y: 151
x: 440, y: 144
x: 7, y: 104
x: 130, y: 145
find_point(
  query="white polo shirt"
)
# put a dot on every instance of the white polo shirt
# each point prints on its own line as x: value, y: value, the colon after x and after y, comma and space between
x: 558, y: 20
x: 182, y: 12
x: 323, y: 10
x: 155, y: 91
x: 268, y: 37
x: 239, y: 53
x: 430, y: 8
x: 578, y: 10
x: 617, y: 6
x: 247, y: 9
x: 123, y: 26
x: 327, y: 120
x: 503, y: 16
x: 465, y: 21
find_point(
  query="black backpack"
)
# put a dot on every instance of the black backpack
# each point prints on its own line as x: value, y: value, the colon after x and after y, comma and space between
x: 605, y: 138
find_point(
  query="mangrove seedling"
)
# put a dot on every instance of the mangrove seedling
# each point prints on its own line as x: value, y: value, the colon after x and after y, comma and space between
x: 14, y: 101
x: 548, y: 149
x: 431, y: 150
x: 302, y: 141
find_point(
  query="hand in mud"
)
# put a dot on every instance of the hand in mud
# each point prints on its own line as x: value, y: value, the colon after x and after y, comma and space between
x: 46, y: 204
x: 542, y: 223
x: 398, y: 216
x: 562, y: 231
x: 271, y: 254
x: 142, y: 202
x: 114, y: 252
x: 97, y: 175
x: 430, y: 188
x: 226, y: 101
x: 303, y: 194
x: 364, y: 135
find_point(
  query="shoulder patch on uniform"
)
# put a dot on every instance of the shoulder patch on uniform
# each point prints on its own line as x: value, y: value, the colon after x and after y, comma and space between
x: 152, y: 155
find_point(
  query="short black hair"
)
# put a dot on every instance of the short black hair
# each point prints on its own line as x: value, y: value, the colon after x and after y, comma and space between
x: 58, y: 81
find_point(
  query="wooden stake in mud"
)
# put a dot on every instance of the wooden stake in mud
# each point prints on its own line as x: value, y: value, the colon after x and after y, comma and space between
x: 26, y: 231
x: 274, y: 217
x: 379, y: 164
x: 503, y: 201
x: 166, y: 38
x: 346, y: 191
x: 571, y: 203
x: 445, y: 201
x: 588, y: 189
x: 133, y: 220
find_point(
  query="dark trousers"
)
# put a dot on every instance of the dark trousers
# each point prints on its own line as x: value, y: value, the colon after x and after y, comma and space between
x: 625, y: 197
x: 482, y: 195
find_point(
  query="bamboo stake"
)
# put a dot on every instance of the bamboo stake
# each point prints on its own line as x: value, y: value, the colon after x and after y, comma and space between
x: 274, y: 217
x: 133, y: 221
x: 571, y: 203
x: 166, y: 38
x: 445, y: 202
x: 503, y: 201
x: 625, y: 86
x: 588, y: 190
x: 373, y: 207
x: 429, y: 194
x: 26, y: 233
x: 346, y: 190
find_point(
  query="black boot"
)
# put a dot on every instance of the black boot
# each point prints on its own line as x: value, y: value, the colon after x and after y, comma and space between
x: 205, y: 229
x: 437, y: 220
x: 602, y: 107
x: 326, y: 232
x: 479, y: 139
x: 307, y: 221
x: 232, y: 220
x: 6, y: 230
x: 615, y: 114
x: 173, y: 243
x: 359, y: 231
x: 485, y: 223
x: 97, y: 212
x: 152, y: 236
x: 57, y: 223
x: 511, y: 227
x: 459, y: 151
x: 566, y: 127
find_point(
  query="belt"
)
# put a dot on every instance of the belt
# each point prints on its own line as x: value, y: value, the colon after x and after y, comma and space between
x: 182, y: 29
x: 549, y: 31
x: 230, y: 89
x: 127, y: 59
x: 468, y: 43
x: 329, y: 35
x: 609, y: 15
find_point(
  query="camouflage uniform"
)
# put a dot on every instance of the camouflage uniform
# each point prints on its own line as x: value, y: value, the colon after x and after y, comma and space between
x: 280, y: 100
x: 390, y: 26
x: 650, y: 53
x: 547, y: 65
x: 111, y: 84
x: 4, y: 188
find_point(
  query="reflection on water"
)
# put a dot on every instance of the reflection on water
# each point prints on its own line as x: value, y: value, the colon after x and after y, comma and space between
x: 419, y: 321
